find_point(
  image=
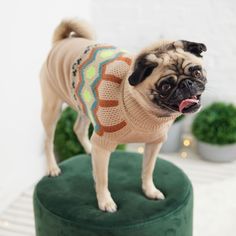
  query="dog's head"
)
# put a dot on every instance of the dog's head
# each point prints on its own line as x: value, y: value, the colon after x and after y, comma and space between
x: 170, y: 76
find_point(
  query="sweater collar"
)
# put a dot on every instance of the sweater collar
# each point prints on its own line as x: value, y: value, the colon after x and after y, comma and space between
x: 137, y: 115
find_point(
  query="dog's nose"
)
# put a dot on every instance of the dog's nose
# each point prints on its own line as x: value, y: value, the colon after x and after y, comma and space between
x: 187, y: 83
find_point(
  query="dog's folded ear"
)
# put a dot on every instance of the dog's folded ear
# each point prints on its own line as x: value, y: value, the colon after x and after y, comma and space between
x: 143, y: 67
x: 193, y: 47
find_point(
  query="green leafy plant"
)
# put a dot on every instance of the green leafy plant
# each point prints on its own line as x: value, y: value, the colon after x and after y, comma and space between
x: 216, y: 124
x: 66, y: 143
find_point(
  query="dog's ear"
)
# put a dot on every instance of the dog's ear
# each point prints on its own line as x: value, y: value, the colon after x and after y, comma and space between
x: 194, y: 48
x: 143, y: 67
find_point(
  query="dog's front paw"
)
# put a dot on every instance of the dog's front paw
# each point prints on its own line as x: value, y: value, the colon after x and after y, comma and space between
x: 53, y: 170
x: 153, y: 193
x: 106, y: 203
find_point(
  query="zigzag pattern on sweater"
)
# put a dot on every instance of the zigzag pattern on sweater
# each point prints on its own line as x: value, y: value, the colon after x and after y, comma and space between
x: 90, y: 75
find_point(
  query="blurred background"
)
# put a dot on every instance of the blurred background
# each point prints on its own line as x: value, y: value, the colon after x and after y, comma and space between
x: 203, y: 146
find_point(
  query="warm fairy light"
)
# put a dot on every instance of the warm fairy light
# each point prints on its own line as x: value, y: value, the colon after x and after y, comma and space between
x: 4, y: 223
x: 184, y: 154
x: 140, y: 149
x: 186, y: 142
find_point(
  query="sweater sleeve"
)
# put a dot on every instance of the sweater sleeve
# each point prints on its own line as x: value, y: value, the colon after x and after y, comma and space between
x: 160, y: 139
x: 103, y: 142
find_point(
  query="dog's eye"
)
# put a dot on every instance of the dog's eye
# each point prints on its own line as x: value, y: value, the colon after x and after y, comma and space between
x: 197, y: 73
x: 165, y: 87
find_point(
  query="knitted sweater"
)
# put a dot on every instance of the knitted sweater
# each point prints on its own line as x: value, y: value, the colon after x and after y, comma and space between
x: 92, y: 78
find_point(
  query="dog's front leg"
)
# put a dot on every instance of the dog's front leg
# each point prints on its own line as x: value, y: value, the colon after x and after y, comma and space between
x: 149, y: 161
x: 100, y: 163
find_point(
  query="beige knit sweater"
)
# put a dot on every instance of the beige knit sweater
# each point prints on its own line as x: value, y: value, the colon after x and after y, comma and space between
x: 92, y: 78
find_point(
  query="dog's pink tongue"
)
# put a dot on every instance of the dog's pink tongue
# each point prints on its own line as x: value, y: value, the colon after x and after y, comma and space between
x: 186, y: 103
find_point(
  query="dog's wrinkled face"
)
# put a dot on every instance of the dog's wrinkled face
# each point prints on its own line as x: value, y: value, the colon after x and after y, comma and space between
x: 171, y: 76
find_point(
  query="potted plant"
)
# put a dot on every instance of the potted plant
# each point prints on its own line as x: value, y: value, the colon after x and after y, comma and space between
x: 173, y: 142
x: 215, y: 130
x: 66, y: 143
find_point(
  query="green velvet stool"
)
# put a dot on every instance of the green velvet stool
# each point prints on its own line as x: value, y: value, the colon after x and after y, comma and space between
x: 66, y: 205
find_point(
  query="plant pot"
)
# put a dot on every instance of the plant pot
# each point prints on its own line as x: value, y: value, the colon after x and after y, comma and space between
x: 173, y: 142
x: 217, y: 153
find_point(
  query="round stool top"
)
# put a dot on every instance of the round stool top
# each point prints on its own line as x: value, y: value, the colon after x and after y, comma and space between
x: 71, y: 195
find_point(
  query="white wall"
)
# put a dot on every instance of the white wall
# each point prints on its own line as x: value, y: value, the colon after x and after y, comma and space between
x: 26, y: 29
x: 133, y: 24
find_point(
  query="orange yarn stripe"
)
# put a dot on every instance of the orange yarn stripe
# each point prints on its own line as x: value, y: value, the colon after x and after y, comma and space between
x: 114, y: 128
x: 108, y: 103
x: 112, y: 78
x: 125, y: 59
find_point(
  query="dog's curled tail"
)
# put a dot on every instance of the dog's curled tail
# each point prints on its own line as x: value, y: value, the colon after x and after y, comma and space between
x: 73, y: 28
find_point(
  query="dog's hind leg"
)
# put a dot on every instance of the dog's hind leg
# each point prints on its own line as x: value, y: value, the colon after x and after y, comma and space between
x: 51, y: 109
x: 81, y: 128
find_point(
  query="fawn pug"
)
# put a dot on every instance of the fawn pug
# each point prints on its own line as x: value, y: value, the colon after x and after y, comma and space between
x: 128, y: 98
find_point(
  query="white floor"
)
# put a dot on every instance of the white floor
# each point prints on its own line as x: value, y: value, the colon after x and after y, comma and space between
x: 17, y: 219
x: 214, y: 210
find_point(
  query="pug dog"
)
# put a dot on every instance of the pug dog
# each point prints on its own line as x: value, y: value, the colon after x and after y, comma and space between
x: 128, y: 98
